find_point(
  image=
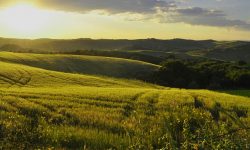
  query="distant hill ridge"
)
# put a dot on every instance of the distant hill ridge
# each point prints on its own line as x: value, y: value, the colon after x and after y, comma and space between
x: 108, y: 44
x: 223, y: 50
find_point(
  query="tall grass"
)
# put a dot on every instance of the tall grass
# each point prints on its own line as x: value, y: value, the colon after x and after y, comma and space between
x: 41, y: 109
x: 122, y: 118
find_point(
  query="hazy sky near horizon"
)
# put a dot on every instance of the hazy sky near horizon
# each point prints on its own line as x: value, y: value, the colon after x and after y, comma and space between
x: 165, y: 19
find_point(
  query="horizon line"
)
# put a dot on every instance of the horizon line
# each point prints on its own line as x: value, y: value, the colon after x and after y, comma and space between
x: 130, y: 39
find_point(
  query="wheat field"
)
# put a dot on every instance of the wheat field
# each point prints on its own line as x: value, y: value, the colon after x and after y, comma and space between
x: 42, y: 107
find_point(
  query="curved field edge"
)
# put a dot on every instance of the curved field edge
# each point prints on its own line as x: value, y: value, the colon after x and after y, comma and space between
x: 94, y: 65
x: 16, y: 75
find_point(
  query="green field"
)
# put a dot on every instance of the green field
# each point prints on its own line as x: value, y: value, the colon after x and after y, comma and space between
x: 44, y: 104
x: 114, y: 67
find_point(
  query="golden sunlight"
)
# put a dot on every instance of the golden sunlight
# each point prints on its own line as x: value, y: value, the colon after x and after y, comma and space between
x: 24, y: 18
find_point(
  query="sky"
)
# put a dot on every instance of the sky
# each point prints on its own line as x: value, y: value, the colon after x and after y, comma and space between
x: 126, y: 19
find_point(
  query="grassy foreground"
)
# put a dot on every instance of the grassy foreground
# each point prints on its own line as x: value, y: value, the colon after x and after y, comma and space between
x: 122, y: 118
x: 42, y: 109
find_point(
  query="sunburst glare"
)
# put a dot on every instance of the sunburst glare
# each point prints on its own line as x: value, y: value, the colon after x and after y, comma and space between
x: 25, y: 18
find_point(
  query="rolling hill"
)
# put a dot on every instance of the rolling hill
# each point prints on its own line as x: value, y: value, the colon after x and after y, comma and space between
x: 45, y: 105
x: 237, y: 52
x: 16, y: 75
x: 181, y: 45
x: 149, y: 50
x: 113, y: 67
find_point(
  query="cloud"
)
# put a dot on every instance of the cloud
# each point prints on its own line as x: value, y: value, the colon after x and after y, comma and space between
x: 207, y: 17
x: 197, y: 11
x: 166, y: 11
x: 111, y: 6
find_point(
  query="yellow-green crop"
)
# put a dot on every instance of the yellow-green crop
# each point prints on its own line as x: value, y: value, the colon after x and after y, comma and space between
x: 42, y: 108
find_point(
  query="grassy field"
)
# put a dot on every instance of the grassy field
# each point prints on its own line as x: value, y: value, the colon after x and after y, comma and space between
x: 41, y: 109
x: 15, y: 75
x: 94, y: 65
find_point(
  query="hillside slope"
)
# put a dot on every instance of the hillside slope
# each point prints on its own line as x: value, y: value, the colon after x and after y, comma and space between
x: 45, y: 109
x: 237, y: 52
x: 15, y: 75
x: 94, y: 65
x: 224, y: 50
x: 106, y: 44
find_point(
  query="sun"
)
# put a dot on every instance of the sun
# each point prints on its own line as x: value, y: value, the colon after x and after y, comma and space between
x: 24, y: 18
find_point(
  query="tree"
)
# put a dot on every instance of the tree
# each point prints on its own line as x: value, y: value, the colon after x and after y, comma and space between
x: 174, y: 73
x: 242, y: 62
